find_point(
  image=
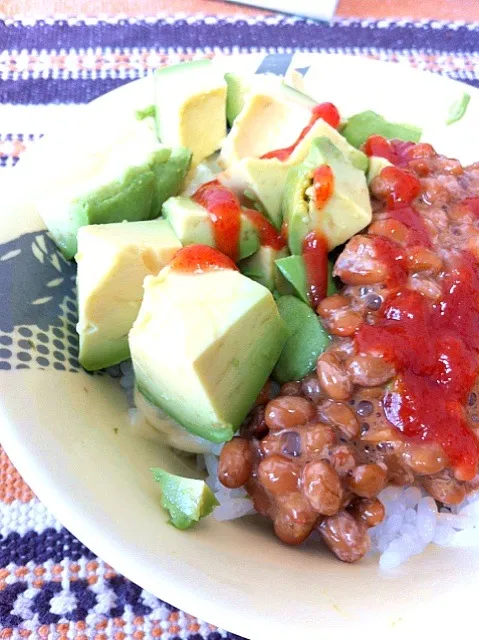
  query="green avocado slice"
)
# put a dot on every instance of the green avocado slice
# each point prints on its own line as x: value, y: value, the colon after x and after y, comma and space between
x: 293, y: 269
x: 261, y: 266
x: 169, y: 178
x: 187, y: 500
x: 307, y: 340
x: 348, y: 209
x: 367, y: 123
x: 458, y: 109
x: 192, y: 224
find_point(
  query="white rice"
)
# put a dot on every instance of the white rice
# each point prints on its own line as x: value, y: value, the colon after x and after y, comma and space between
x: 412, y: 521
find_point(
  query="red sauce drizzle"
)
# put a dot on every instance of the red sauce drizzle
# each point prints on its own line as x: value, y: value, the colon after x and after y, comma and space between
x: 435, y: 349
x: 224, y: 210
x: 199, y: 258
x: 398, y: 152
x: 390, y: 254
x: 472, y: 204
x: 225, y: 213
x: 323, y: 185
x: 315, y: 246
x: 417, y: 232
x: 403, y: 186
x: 268, y: 235
x: 325, y: 111
x: 315, y: 256
x: 379, y: 147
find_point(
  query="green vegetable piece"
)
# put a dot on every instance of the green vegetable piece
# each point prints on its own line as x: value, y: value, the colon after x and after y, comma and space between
x: 147, y: 112
x: 187, y: 500
x: 238, y: 86
x: 359, y: 127
x: 170, y: 178
x: 346, y: 212
x: 307, y: 340
x: 458, y: 108
x: 293, y: 269
x: 261, y: 266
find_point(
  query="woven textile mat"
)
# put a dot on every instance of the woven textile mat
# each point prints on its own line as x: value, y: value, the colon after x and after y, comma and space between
x: 50, y: 584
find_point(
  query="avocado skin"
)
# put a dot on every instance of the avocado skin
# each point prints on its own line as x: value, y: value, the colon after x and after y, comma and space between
x: 294, y: 271
x: 169, y: 178
x: 307, y: 340
x: 367, y: 123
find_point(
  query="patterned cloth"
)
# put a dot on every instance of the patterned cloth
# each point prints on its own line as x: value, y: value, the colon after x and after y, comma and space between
x: 50, y: 584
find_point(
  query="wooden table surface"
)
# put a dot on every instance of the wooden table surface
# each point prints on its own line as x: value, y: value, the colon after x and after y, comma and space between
x: 467, y: 10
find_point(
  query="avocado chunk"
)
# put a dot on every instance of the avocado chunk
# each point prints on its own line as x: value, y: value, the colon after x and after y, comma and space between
x: 458, y: 108
x: 347, y: 211
x: 191, y: 107
x: 271, y: 121
x: 376, y: 165
x: 111, y: 181
x: 252, y: 135
x: 170, y: 178
x: 262, y: 181
x: 113, y: 260
x: 239, y: 86
x: 367, y: 123
x: 307, y: 340
x: 203, y: 346
x: 187, y: 500
x: 293, y: 270
x: 261, y: 267
x: 192, y: 224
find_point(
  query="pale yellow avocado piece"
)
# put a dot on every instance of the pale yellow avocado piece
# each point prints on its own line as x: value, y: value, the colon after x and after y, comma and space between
x: 113, y: 261
x: 203, y: 346
x: 346, y: 212
x: 268, y: 123
x: 349, y: 208
x: 192, y: 224
x: 376, y: 165
x: 191, y: 107
x: 265, y: 123
x: 103, y: 180
x: 264, y: 180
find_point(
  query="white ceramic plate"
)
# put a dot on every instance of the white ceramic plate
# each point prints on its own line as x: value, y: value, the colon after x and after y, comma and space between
x: 68, y: 433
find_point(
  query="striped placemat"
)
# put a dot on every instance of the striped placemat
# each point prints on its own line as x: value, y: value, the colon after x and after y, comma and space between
x: 51, y: 586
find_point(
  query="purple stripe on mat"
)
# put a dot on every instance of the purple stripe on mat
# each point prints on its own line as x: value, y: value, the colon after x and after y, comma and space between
x: 38, y: 91
x: 51, y: 91
x: 119, y: 591
x: 40, y: 547
x: 222, y: 33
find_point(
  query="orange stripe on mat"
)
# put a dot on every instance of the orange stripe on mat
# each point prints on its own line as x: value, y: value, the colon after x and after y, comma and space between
x: 428, y: 9
x: 131, y: 8
x: 437, y: 10
x: 12, y: 486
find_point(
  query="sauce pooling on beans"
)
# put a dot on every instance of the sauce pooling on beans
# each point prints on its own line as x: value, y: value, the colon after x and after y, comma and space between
x: 395, y: 397
x: 434, y: 345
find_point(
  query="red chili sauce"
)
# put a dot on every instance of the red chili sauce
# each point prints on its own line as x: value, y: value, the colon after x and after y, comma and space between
x: 199, y: 258
x: 225, y: 214
x: 325, y: 111
x: 433, y: 345
x: 315, y: 246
